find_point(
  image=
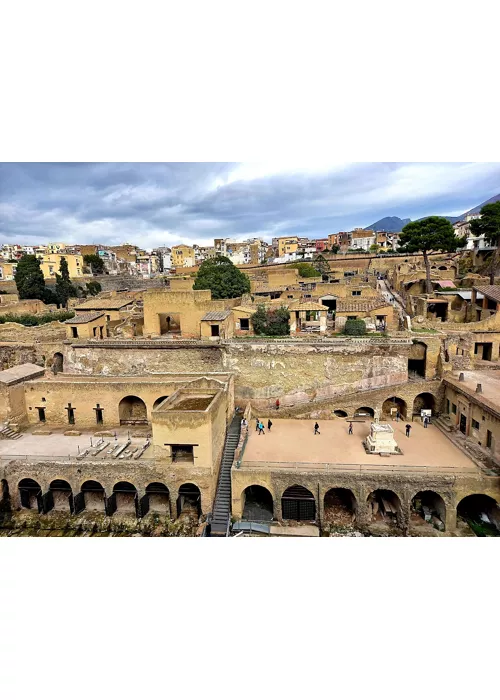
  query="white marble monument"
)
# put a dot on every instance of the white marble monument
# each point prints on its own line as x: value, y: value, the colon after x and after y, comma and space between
x: 381, y: 439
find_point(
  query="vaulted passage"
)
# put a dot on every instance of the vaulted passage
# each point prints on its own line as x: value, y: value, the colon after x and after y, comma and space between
x: 257, y: 504
x: 297, y: 503
x: 384, y: 506
x: 417, y: 360
x: 57, y: 362
x: 132, y: 411
x: 424, y: 401
x: 61, y: 496
x: 189, y: 500
x: 158, y: 499
x: 124, y: 499
x: 30, y: 494
x: 159, y: 401
x: 364, y: 412
x: 429, y: 507
x: 392, y: 406
x: 481, y: 513
x: 339, y: 507
x: 92, y: 497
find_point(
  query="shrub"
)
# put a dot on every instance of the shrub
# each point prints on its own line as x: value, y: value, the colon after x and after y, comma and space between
x: 36, y: 320
x: 355, y: 326
x: 271, y: 322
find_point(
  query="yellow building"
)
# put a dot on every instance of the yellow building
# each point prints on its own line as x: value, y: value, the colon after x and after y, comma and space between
x: 90, y: 325
x: 7, y: 271
x: 287, y: 244
x: 55, y: 247
x: 182, y: 256
x: 50, y: 265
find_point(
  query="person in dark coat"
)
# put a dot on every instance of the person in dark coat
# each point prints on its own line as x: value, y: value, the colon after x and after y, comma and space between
x: 408, y: 428
x: 316, y: 429
x: 269, y: 424
x: 257, y: 421
x: 350, y: 428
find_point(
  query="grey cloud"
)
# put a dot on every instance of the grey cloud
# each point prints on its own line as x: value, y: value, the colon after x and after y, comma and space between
x: 151, y: 203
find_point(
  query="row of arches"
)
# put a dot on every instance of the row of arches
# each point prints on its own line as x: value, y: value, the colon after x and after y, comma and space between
x: 392, y: 405
x: 123, y: 499
x: 298, y: 503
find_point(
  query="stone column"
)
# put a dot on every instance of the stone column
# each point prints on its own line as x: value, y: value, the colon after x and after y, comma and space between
x: 322, y: 322
x: 451, y: 517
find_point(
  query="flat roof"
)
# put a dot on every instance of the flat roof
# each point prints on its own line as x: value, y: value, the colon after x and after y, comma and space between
x: 490, y: 384
x: 292, y: 443
x: 20, y: 373
x: 109, y: 304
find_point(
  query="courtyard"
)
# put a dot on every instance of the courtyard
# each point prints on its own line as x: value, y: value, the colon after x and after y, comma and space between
x: 292, y: 442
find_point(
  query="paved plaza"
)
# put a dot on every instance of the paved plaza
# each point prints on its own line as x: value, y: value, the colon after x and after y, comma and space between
x: 58, y: 445
x: 294, y: 441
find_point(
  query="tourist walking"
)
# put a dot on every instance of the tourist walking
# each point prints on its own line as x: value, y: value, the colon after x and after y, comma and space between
x: 398, y: 415
x: 257, y: 421
x: 408, y: 428
x: 261, y: 428
x: 244, y: 423
x: 316, y: 429
x: 277, y: 404
x: 269, y: 424
x: 350, y: 428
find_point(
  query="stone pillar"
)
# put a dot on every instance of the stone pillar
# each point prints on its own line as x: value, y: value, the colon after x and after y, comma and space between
x: 362, y: 513
x: 451, y: 518
x: 277, y: 508
x: 322, y: 322
x: 293, y: 322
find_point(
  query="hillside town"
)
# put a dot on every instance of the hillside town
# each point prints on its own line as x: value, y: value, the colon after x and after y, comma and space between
x: 341, y: 386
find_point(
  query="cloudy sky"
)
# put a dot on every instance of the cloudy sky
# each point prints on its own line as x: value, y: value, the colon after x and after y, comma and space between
x: 153, y: 204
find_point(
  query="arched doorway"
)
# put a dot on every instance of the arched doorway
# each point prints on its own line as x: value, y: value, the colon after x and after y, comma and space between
x: 91, y: 497
x: 297, y: 503
x: 364, y: 412
x: 424, y: 401
x: 392, y: 406
x: 189, y: 500
x: 339, y: 507
x: 30, y: 494
x: 61, y: 496
x: 125, y: 498
x: 417, y: 360
x: 340, y: 414
x: 159, y: 401
x: 257, y: 504
x: 57, y: 362
x: 429, y: 506
x: 481, y: 513
x: 132, y: 411
x: 158, y: 499
x: 385, y: 506
x: 5, y: 506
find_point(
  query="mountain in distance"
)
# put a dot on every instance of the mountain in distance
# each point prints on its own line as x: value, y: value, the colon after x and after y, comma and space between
x: 393, y: 224
x: 477, y: 209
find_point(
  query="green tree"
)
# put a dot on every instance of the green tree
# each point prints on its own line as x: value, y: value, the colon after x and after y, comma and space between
x: 271, y: 322
x: 223, y: 278
x: 29, y: 278
x: 305, y: 269
x: 95, y: 264
x: 433, y: 234
x: 64, y: 288
x: 374, y: 248
x: 334, y: 249
x: 322, y: 265
x: 355, y: 326
x: 93, y: 288
x: 489, y: 225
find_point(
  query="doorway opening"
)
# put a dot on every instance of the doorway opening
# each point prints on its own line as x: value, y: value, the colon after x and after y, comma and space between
x: 297, y: 503
x: 257, y: 503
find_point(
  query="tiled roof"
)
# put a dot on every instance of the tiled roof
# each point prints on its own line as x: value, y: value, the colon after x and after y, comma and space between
x: 492, y: 291
x: 361, y: 304
x: 307, y: 306
x: 84, y: 318
x: 216, y: 315
x: 104, y: 304
x: 446, y: 283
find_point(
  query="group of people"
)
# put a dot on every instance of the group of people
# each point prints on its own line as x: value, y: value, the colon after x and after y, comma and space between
x: 259, y: 426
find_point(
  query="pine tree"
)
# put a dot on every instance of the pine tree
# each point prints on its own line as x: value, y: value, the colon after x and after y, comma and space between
x: 223, y: 278
x: 29, y: 278
x: 64, y: 288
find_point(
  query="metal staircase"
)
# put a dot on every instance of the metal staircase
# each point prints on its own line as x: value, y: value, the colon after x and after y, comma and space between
x: 222, y: 504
